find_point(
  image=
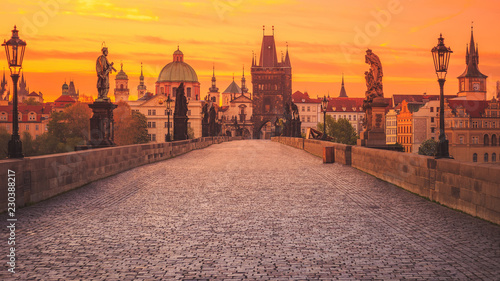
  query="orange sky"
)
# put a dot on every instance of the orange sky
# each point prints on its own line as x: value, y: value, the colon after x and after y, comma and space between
x: 325, y: 38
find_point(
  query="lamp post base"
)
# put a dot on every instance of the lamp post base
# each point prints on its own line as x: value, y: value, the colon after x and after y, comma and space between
x: 15, y: 148
x: 442, y: 150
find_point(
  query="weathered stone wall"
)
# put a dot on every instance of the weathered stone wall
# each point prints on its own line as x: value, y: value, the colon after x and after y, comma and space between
x: 469, y: 187
x: 41, y: 177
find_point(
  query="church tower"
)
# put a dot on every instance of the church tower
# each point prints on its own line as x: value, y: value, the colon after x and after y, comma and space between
x: 141, y: 88
x: 121, y: 90
x: 65, y: 89
x: 213, y: 91
x: 472, y: 83
x: 4, y: 92
x: 343, y: 93
x: 272, y: 84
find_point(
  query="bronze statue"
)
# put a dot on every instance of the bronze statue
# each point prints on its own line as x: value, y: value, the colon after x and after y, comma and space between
x: 373, y: 77
x: 295, y: 111
x: 103, y: 67
x: 181, y: 103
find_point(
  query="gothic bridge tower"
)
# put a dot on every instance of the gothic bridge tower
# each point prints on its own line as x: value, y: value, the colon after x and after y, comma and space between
x: 272, y: 85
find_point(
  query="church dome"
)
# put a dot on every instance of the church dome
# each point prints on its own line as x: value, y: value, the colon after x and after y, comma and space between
x: 178, y: 70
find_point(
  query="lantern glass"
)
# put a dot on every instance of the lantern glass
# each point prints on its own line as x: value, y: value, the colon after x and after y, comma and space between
x: 441, y: 57
x: 169, y: 102
x: 14, y: 50
x: 324, y: 104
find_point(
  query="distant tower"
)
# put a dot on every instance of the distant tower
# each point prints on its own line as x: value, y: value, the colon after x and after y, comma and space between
x: 244, y: 89
x: 141, y: 89
x: 272, y: 85
x: 4, y: 92
x: 72, y: 91
x: 472, y: 83
x: 65, y: 89
x: 23, y: 91
x: 343, y: 94
x: 498, y: 89
x: 214, y: 91
x: 121, y: 90
x: 232, y: 91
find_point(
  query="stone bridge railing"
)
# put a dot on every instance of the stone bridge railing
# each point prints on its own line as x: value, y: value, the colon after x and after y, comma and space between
x: 41, y: 177
x: 469, y: 187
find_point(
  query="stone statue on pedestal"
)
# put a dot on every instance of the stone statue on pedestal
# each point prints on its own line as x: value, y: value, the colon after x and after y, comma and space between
x: 103, y: 67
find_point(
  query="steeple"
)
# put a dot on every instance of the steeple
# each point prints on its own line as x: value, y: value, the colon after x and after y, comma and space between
x: 287, y: 57
x: 141, y: 78
x: 472, y: 59
x: 343, y: 93
x: 243, y: 81
x: 141, y: 88
x: 268, y: 56
x: 214, y: 88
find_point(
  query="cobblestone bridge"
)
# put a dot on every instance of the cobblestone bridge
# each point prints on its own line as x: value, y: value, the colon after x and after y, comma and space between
x: 254, y: 210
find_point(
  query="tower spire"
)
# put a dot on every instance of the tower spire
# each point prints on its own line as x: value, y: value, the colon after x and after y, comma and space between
x: 243, y: 82
x: 343, y: 93
x: 214, y: 88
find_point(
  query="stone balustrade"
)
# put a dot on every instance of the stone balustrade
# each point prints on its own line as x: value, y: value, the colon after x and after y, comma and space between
x: 469, y: 187
x: 41, y: 177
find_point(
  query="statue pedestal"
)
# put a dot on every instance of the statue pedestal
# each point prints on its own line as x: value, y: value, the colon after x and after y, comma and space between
x: 102, y: 124
x: 180, y: 128
x: 374, y: 133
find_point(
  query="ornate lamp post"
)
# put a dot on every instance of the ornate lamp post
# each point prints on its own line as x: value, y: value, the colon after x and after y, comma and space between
x: 14, y: 49
x: 441, y: 55
x: 168, y: 104
x: 324, y: 105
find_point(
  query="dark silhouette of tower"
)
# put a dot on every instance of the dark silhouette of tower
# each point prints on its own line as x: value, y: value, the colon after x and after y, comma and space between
x: 272, y: 84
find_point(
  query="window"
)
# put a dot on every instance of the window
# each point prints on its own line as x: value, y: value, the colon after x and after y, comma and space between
x: 153, y: 112
x: 354, y: 117
x: 149, y: 137
x: 188, y: 92
x: 36, y: 127
x: 461, y: 139
x: 474, y: 157
x: 153, y: 137
x: 486, y: 157
x: 308, y: 109
x: 350, y: 117
x: 3, y: 116
x: 334, y: 117
x: 474, y: 124
x: 32, y: 116
x: 345, y: 116
x: 303, y: 108
x: 433, y: 129
x: 432, y: 109
x: 149, y: 111
x: 27, y: 127
x: 494, y: 140
x: 151, y: 124
x: 486, y: 140
x: 432, y: 119
x: 475, y: 140
x: 308, y: 118
x: 493, y: 157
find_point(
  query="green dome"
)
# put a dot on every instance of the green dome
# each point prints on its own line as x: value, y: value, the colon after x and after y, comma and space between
x: 177, y: 71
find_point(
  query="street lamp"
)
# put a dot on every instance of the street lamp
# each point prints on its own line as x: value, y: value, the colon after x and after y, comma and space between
x: 14, y: 49
x: 169, y: 111
x: 441, y: 56
x: 324, y: 105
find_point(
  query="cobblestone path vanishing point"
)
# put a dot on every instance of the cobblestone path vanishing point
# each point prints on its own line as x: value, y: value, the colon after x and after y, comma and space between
x: 248, y: 210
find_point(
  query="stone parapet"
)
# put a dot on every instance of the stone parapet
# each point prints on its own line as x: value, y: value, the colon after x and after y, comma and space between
x: 41, y: 177
x: 469, y: 187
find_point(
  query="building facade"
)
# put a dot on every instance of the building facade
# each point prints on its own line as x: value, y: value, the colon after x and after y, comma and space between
x: 121, y: 86
x: 32, y: 118
x: 272, y: 86
x: 309, y: 110
x: 425, y: 124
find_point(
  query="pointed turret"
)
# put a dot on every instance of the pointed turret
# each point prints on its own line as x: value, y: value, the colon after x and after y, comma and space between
x: 472, y: 59
x: 268, y: 57
x: 343, y: 93
x: 244, y: 89
x: 141, y: 88
x: 287, y: 57
x: 214, y: 88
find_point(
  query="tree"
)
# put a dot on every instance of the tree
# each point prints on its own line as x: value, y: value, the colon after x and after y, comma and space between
x: 29, y: 148
x: 190, y: 133
x: 341, y: 130
x: 31, y: 101
x: 428, y: 147
x: 4, y: 142
x: 131, y: 127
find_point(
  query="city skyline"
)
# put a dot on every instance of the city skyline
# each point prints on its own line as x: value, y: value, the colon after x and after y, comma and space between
x: 325, y: 40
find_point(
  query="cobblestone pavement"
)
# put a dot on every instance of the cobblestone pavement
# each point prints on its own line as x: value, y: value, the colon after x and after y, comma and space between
x: 253, y: 210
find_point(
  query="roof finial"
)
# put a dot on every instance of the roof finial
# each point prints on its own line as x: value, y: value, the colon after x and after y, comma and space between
x: 243, y: 70
x: 263, y: 30
x: 233, y: 76
x: 121, y: 64
x: 177, y: 46
x: 342, y: 78
x: 273, y: 30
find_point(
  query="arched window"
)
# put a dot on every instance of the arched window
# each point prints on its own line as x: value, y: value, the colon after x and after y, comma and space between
x: 486, y: 157
x: 486, y: 140
x: 121, y: 86
x: 474, y: 157
x: 493, y: 157
x: 493, y: 140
